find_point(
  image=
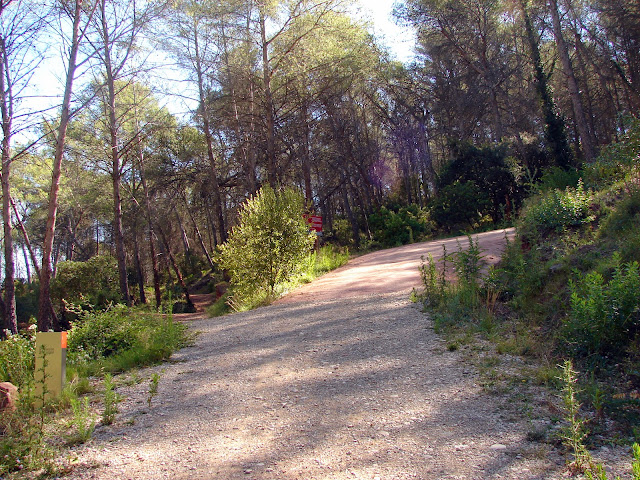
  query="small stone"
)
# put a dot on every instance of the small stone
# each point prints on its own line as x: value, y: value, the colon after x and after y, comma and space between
x: 498, y: 446
x: 8, y: 394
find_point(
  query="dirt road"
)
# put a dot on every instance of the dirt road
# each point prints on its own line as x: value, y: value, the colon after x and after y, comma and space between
x: 392, y: 270
x: 344, y: 379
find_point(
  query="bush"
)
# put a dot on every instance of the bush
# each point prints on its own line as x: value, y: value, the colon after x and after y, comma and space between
x: 90, y: 284
x: 617, y: 159
x: 17, y: 359
x: 555, y: 210
x: 460, y: 203
x: 119, y: 339
x: 392, y: 229
x: 556, y: 178
x: 269, y: 244
x: 605, y: 316
x: 493, y: 173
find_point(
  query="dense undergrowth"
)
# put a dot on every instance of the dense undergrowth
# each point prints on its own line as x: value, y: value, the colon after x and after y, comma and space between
x: 33, y: 438
x: 567, y: 288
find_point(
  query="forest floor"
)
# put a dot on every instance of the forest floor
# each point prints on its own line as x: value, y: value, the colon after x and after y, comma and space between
x: 342, y: 379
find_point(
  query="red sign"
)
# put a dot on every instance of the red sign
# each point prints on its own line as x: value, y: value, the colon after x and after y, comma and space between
x: 315, y: 222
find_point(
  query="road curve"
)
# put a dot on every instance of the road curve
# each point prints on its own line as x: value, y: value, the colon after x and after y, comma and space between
x: 392, y: 270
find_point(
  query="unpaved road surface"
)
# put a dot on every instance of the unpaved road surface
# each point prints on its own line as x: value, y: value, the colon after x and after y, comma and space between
x: 392, y: 270
x: 345, y: 381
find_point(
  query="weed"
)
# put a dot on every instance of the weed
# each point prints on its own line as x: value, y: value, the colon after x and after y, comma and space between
x: 153, y: 388
x: 110, y: 401
x: 574, y: 434
x: 82, y: 420
x: 433, y: 288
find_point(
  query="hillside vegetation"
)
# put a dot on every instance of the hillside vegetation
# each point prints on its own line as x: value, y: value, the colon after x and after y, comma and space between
x: 568, y: 286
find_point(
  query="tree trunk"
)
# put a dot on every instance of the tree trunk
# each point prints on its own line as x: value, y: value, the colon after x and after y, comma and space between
x: 6, y: 97
x: 572, y: 85
x: 27, y: 242
x: 555, y: 132
x: 150, y: 229
x: 116, y: 173
x: 176, y: 269
x: 138, y: 266
x: 272, y: 170
x: 199, y: 235
x: 46, y: 313
x: 183, y: 235
x: 306, y: 155
x: 204, y: 112
x: 355, y: 228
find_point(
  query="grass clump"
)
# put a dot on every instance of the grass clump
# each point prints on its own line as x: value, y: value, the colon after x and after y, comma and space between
x: 120, y: 339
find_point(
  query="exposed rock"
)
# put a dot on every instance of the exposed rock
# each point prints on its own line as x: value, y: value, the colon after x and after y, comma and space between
x: 8, y: 394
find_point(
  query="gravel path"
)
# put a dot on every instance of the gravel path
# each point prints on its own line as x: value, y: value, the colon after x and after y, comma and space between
x: 352, y: 387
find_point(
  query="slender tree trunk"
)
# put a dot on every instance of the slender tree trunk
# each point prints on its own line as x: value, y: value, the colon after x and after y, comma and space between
x: 183, y: 235
x: 272, y: 170
x: 199, y: 235
x: 6, y: 97
x: 306, y: 155
x: 25, y: 235
x: 204, y: 112
x: 572, y: 85
x: 555, y: 132
x: 176, y: 269
x: 9, y: 264
x: 138, y: 267
x: 46, y: 313
x: 355, y: 228
x: 150, y: 229
x: 497, y: 118
x: 116, y: 173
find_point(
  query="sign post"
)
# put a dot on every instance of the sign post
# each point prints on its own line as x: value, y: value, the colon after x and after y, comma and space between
x: 315, y: 225
x: 51, y: 364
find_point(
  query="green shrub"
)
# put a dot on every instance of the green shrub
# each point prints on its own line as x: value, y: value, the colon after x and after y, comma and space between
x: 493, y: 173
x: 458, y: 204
x: 120, y: 339
x: 269, y: 244
x: 556, y: 178
x: 605, y: 316
x: 555, y: 210
x: 90, y: 284
x: 618, y: 159
x: 392, y: 229
x: 17, y: 359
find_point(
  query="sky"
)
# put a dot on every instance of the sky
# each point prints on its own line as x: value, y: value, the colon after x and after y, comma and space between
x: 400, y: 40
